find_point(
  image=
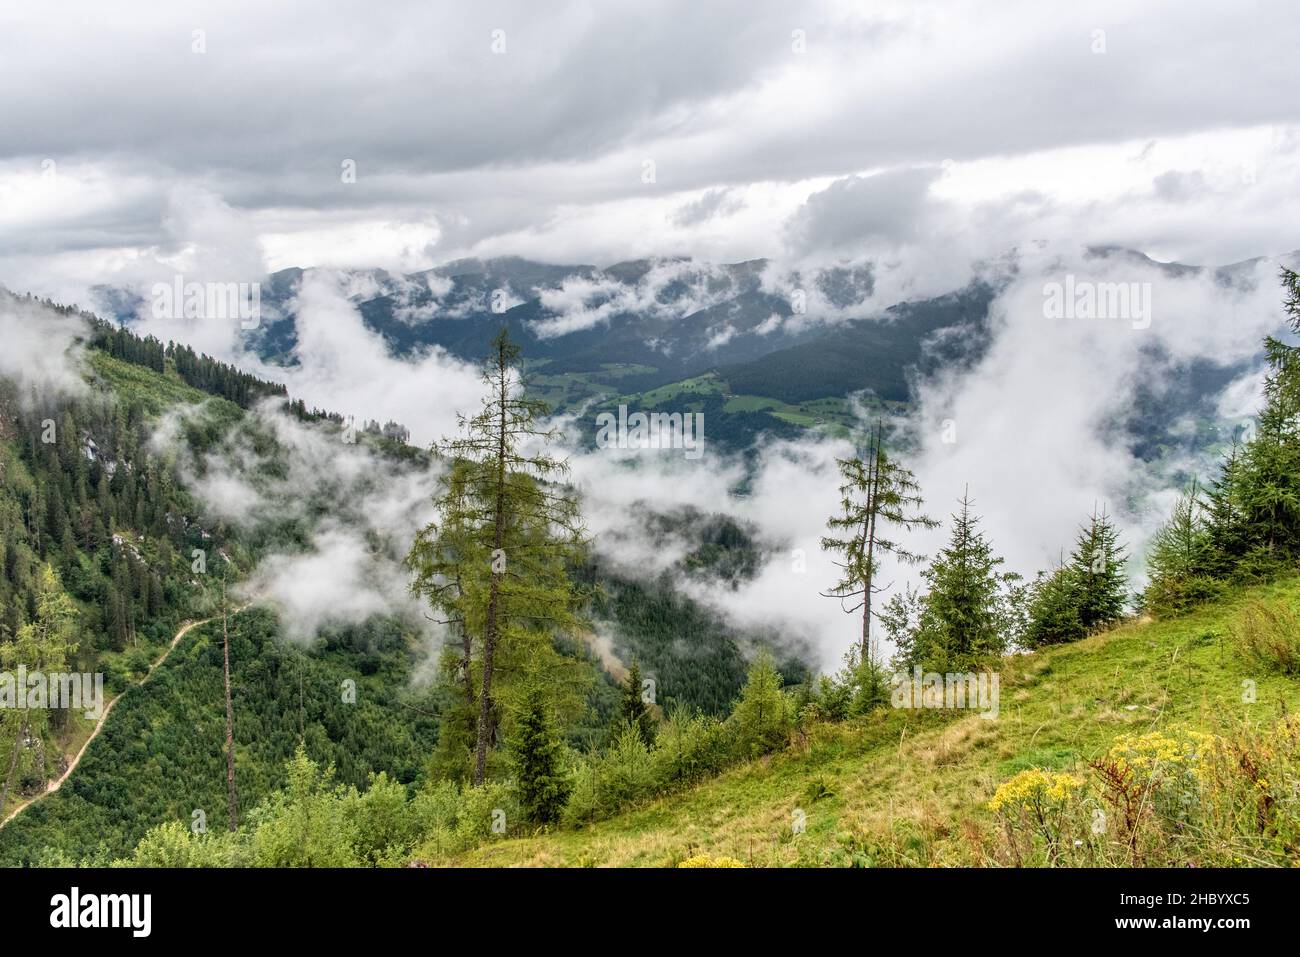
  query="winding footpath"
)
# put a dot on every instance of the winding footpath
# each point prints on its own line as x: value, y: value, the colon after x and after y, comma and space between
x: 55, y: 784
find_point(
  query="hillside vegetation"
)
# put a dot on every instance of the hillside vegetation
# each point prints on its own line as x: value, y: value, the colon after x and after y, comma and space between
x: 104, y: 553
x: 159, y: 757
x: 912, y: 787
x: 1171, y: 743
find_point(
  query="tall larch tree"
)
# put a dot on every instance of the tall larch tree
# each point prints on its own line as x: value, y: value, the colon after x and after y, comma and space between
x: 523, y: 529
x: 879, y: 498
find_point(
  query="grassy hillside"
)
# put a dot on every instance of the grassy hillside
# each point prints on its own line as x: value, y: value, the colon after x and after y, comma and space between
x: 902, y: 787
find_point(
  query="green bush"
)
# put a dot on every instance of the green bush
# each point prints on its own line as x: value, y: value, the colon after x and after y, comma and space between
x: 763, y: 716
x: 689, y: 748
x: 385, y: 827
x: 308, y: 824
x: 624, y: 774
x: 174, y: 845
x: 139, y: 661
x: 449, y: 818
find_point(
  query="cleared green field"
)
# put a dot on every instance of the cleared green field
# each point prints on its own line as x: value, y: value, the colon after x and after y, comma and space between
x: 707, y: 384
x: 157, y: 392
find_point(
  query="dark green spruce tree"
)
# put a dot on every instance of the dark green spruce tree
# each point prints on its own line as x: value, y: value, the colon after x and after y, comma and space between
x: 1053, y: 609
x: 1268, y: 487
x: 1225, y: 526
x: 538, y: 756
x: 1098, y: 562
x: 1086, y: 594
x: 966, y: 613
x: 633, y: 712
x: 1177, y: 560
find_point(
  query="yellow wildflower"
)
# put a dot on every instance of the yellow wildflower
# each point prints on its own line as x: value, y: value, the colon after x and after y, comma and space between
x: 1034, y: 787
x: 703, y: 860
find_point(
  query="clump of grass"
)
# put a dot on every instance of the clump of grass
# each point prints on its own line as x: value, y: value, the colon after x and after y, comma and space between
x: 817, y: 789
x: 1268, y: 634
x: 1048, y: 759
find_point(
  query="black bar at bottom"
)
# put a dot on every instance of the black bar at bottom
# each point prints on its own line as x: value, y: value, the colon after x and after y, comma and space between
x: 335, y: 907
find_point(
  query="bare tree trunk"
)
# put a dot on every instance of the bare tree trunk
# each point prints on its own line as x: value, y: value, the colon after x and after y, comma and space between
x: 230, y: 713
x: 13, y: 763
x: 873, y: 494
x: 467, y: 649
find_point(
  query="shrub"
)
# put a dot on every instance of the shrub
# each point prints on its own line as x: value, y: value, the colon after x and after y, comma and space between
x: 818, y: 789
x: 1174, y: 596
x: 624, y: 774
x: 687, y: 749
x: 139, y: 662
x: 307, y: 824
x: 762, y: 717
x: 833, y: 699
x: 449, y: 818
x: 174, y: 845
x: 385, y: 826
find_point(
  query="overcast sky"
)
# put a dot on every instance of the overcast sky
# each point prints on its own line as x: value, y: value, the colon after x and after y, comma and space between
x: 775, y: 129
x: 220, y: 139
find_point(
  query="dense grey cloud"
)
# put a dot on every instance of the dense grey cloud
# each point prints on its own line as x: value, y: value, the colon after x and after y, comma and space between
x: 714, y: 202
x: 889, y: 207
x: 43, y: 352
x: 1034, y: 428
x: 415, y: 86
x: 919, y: 143
x: 485, y: 129
x: 350, y: 566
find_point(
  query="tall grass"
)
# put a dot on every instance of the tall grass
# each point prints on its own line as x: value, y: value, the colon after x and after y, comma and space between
x: 1268, y: 633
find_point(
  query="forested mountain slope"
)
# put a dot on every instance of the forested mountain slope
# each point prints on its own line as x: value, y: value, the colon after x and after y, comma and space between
x: 105, y: 554
x: 160, y: 756
x: 98, y: 523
